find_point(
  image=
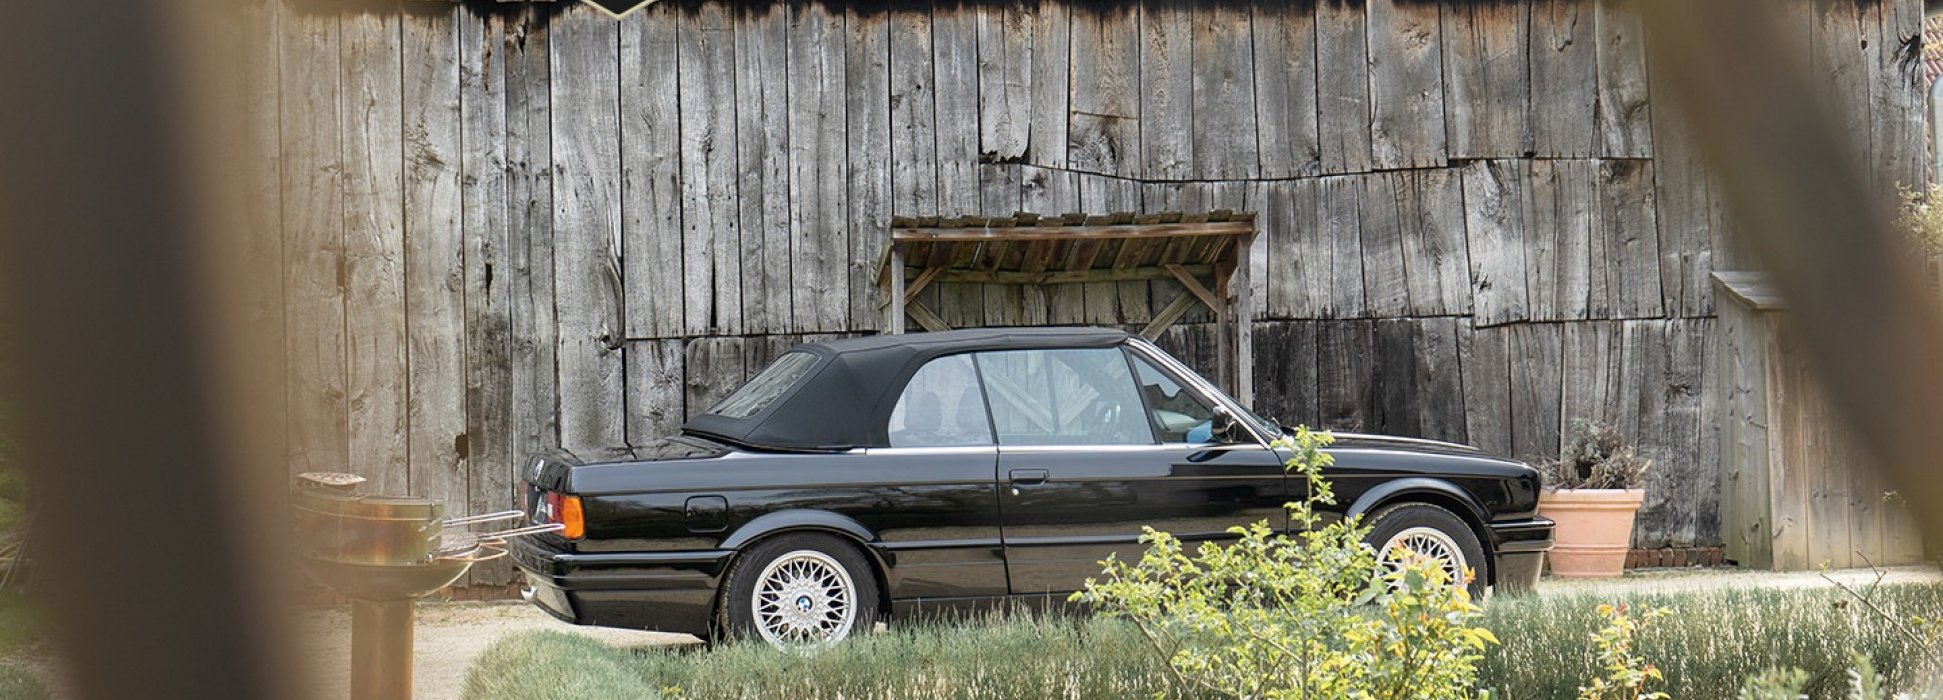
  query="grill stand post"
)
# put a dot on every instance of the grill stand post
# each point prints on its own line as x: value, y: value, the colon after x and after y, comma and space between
x: 381, y: 649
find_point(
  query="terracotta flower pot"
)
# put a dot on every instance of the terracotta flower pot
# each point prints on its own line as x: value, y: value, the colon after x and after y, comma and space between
x: 1595, y: 528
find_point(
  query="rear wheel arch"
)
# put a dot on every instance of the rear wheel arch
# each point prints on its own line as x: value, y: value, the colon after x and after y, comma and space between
x: 855, y: 537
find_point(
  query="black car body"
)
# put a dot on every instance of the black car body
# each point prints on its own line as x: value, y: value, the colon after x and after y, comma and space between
x: 963, y: 468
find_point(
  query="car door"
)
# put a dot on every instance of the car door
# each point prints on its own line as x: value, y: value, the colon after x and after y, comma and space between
x: 1096, y: 443
x: 936, y: 512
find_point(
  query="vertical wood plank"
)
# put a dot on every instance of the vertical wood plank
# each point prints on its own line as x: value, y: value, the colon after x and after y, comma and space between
x: 1628, y: 230
x: 1590, y: 385
x: 1342, y: 87
x: 435, y: 259
x: 1625, y: 113
x: 1006, y: 112
x: 1559, y: 256
x: 1487, y: 70
x: 651, y: 177
x: 711, y: 368
x: 1484, y: 356
x: 955, y: 64
x: 1340, y: 225
x: 1696, y: 342
x: 762, y: 183
x: 1386, y: 281
x: 711, y: 240
x: 1048, y: 140
x: 1166, y: 86
x: 1049, y: 193
x: 257, y: 173
x: 526, y: 48
x: 1406, y: 84
x: 1345, y: 390
x: 1788, y: 425
x: 1564, y: 64
x: 312, y: 214
x: 1435, y: 254
x: 374, y: 249
x: 656, y: 391
x: 955, y: 77
x: 1001, y: 191
x: 1394, y: 375
x: 1497, y: 207
x: 1298, y: 284
x: 1103, y: 127
x: 1897, y: 86
x: 1535, y: 349
x: 818, y: 200
x: 1285, y: 90
x: 913, y: 105
x: 1285, y: 371
x: 1225, y: 136
x: 485, y: 211
x: 1691, y: 222
x: 1437, y: 381
x: 586, y: 219
x: 867, y: 112
x: 1112, y: 303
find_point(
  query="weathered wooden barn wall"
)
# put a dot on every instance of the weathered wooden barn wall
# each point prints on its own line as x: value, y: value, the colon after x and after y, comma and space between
x: 503, y: 227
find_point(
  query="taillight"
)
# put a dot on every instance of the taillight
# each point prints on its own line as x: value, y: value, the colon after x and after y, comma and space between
x: 565, y: 510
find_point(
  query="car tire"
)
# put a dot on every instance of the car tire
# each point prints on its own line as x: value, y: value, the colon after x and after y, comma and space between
x: 799, y: 590
x: 1431, y: 530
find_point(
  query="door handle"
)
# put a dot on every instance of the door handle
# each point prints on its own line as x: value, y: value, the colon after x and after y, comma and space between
x: 1028, y: 477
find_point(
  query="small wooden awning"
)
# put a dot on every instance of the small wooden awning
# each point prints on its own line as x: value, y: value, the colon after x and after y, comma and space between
x: 1206, y: 253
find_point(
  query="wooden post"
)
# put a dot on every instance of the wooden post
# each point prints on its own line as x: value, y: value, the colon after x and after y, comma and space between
x: 1242, y: 306
x: 1224, y: 335
x: 894, y: 292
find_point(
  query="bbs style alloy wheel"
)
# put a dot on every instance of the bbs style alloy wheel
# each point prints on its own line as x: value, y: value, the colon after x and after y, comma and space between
x: 1419, y: 531
x: 799, y: 590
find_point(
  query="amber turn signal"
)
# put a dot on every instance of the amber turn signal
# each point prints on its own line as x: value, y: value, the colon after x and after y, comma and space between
x: 572, y: 518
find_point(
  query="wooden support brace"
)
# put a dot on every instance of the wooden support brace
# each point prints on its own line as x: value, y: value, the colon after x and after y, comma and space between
x: 930, y: 321
x: 1172, y: 312
x: 1193, y: 285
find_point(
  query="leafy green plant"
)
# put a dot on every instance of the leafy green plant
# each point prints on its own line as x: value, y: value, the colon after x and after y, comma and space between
x: 1316, y: 615
x: 1597, y: 457
x: 1623, y: 674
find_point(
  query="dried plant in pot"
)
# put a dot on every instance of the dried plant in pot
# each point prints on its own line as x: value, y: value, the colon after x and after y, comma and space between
x: 1593, y: 491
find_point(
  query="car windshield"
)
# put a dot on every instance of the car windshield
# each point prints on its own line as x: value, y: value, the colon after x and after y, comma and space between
x: 1265, y: 425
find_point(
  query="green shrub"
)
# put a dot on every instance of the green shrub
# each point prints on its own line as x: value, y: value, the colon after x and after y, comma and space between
x: 1314, y: 615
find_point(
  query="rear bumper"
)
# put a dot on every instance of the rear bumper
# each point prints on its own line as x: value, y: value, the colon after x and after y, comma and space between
x: 1519, y: 548
x: 661, y: 591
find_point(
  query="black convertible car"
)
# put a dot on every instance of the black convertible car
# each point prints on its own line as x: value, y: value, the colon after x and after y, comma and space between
x: 908, y: 473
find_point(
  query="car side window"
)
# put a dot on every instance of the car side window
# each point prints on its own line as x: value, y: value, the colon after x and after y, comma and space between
x: 941, y: 407
x: 1064, y: 397
x: 1178, y: 415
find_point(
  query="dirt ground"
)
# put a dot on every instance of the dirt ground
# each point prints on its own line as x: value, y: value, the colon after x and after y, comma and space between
x: 451, y: 636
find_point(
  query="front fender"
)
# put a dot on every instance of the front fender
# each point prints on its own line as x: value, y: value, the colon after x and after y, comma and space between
x: 797, y: 520
x: 1392, y: 490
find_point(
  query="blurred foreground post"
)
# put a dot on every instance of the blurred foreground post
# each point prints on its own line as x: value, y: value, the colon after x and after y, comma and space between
x: 1853, y: 283
x: 152, y: 521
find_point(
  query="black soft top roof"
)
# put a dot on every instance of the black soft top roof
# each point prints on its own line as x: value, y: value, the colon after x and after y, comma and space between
x: 845, y: 400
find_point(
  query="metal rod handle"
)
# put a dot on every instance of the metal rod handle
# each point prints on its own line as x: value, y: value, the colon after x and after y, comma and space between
x: 486, y: 518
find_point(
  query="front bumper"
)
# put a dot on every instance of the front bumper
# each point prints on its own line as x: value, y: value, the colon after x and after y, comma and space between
x: 661, y: 591
x: 1519, y: 548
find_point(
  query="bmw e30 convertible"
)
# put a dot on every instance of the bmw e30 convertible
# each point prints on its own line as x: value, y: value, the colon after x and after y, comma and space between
x: 896, y: 475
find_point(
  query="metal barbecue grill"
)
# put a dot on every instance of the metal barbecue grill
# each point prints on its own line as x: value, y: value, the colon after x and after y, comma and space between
x: 383, y: 552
